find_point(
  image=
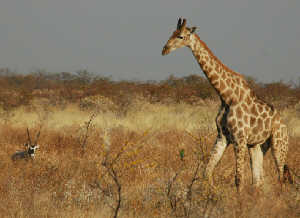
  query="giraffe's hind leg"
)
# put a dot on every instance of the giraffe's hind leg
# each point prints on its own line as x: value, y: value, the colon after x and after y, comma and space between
x: 256, y: 162
x: 240, y: 149
x: 279, y: 148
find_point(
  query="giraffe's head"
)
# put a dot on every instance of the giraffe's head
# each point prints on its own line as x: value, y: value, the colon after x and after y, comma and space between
x: 181, y: 37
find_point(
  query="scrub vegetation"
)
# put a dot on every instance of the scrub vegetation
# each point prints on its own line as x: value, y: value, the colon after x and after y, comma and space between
x: 131, y: 149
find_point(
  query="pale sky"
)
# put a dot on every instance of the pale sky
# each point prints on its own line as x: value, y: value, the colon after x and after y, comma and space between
x: 124, y: 38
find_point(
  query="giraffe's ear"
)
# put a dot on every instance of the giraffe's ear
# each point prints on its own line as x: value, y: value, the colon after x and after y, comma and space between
x: 193, y: 29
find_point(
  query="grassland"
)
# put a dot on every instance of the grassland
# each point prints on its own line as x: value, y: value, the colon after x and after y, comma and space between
x: 137, y: 159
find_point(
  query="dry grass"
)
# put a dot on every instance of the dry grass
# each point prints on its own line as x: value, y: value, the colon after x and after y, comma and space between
x: 156, y: 153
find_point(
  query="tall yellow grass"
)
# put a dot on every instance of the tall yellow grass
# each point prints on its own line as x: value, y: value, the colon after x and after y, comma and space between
x: 155, y: 151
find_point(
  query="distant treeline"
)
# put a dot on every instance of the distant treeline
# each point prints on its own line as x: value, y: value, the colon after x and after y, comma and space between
x: 19, y: 89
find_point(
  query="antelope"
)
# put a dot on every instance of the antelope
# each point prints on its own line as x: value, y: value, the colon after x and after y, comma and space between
x: 29, y: 151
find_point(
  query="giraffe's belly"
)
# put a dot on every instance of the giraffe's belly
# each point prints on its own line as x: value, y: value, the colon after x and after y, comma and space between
x: 256, y: 139
x: 259, y: 132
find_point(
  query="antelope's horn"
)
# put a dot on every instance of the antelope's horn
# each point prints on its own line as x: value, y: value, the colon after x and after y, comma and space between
x: 28, y: 135
x: 37, y: 137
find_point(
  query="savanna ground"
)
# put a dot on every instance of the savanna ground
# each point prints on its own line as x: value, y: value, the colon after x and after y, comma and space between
x: 129, y: 149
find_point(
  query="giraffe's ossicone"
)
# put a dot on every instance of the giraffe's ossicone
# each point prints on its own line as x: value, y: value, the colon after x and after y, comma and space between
x: 244, y: 120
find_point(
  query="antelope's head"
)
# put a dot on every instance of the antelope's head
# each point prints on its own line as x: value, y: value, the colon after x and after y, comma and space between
x: 31, y: 147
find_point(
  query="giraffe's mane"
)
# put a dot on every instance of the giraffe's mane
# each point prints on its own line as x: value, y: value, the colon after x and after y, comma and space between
x: 245, y: 83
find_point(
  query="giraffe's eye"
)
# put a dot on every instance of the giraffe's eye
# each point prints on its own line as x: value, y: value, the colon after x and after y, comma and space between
x: 179, y: 37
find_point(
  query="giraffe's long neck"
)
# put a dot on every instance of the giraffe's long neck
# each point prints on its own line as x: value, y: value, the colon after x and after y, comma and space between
x: 230, y: 86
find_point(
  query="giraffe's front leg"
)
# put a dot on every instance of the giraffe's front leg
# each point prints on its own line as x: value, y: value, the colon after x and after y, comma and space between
x: 240, y: 149
x: 216, y: 154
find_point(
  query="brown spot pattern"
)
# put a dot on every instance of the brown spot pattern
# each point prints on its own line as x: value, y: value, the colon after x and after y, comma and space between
x: 242, y: 94
x: 217, y: 67
x: 223, y: 74
x: 235, y: 129
x: 252, y: 121
x: 255, y: 130
x: 216, y: 83
x: 265, y: 134
x: 232, y: 122
x: 213, y: 76
x: 240, y: 134
x: 267, y: 123
x: 253, y: 110
x: 248, y: 100
x: 222, y: 85
x: 245, y: 107
x: 239, y: 113
x: 260, y: 108
x: 260, y: 124
x: 228, y: 93
x: 246, y: 119
x: 278, y: 135
x: 237, y: 91
x: 228, y: 82
x: 234, y: 100
x: 264, y: 115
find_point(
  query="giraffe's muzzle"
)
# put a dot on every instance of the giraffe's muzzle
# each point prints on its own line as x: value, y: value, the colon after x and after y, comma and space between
x: 165, y: 51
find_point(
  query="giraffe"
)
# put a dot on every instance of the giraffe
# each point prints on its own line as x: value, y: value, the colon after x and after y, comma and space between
x: 243, y: 120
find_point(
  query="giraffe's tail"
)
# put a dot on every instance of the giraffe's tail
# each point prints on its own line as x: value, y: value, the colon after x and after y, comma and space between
x: 287, y: 176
